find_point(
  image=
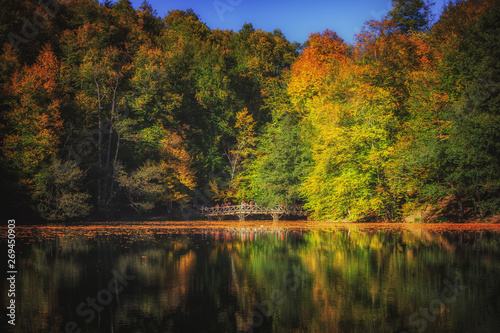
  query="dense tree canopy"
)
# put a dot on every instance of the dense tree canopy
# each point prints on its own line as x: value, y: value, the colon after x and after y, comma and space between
x: 110, y: 110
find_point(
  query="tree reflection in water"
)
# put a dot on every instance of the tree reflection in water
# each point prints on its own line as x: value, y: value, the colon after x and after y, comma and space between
x: 281, y: 277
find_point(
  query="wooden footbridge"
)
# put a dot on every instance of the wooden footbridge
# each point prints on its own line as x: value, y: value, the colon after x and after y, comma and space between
x: 243, y: 210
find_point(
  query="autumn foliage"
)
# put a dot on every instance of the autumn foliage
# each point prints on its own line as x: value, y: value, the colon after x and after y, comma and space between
x: 114, y: 111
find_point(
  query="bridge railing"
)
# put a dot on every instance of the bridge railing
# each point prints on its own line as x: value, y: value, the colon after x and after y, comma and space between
x: 251, y: 209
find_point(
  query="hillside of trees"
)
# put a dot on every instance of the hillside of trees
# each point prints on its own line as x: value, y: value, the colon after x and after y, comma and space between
x: 109, y: 112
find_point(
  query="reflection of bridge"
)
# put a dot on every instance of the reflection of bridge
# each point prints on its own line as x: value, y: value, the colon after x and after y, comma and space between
x: 243, y: 210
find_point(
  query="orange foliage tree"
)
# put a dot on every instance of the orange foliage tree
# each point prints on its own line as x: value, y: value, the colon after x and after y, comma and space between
x: 34, y: 119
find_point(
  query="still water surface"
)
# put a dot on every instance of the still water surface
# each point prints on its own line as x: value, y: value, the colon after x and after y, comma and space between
x: 256, y: 277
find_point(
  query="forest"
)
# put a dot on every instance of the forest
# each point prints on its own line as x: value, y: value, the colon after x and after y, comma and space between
x: 113, y: 112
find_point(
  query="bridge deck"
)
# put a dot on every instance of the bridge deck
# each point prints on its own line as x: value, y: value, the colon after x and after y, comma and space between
x: 244, y: 210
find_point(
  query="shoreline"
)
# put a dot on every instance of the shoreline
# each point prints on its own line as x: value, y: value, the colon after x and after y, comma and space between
x: 266, y: 225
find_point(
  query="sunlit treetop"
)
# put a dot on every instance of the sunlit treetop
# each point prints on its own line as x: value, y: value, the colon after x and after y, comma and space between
x: 411, y: 15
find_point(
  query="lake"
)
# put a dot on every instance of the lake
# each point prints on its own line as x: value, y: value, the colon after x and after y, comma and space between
x: 256, y: 276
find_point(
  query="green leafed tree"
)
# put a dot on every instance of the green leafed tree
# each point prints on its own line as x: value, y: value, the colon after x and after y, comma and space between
x: 411, y: 15
x: 473, y: 152
x: 166, y: 179
x: 59, y: 192
x: 280, y: 163
x: 33, y: 121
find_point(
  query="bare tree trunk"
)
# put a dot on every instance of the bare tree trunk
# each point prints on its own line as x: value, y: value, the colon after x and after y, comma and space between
x: 234, y: 160
x: 113, y: 167
x: 99, y: 145
x: 109, y: 171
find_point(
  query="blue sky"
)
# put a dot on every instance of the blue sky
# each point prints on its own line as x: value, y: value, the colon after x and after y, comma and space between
x: 296, y: 19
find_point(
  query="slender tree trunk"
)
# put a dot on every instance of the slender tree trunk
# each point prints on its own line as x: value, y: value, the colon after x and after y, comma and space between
x: 109, y: 175
x: 113, y: 167
x: 109, y: 167
x: 110, y: 140
x: 233, y: 157
x: 461, y: 208
x: 116, y: 151
x: 99, y: 145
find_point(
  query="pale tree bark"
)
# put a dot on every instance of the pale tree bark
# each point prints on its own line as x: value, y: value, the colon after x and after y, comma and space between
x: 100, y: 97
x: 108, y: 167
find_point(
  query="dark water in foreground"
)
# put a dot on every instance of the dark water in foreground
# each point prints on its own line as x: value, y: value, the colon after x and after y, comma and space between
x: 282, y: 277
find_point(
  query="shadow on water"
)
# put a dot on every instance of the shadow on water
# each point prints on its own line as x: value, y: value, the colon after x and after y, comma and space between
x: 255, y: 277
